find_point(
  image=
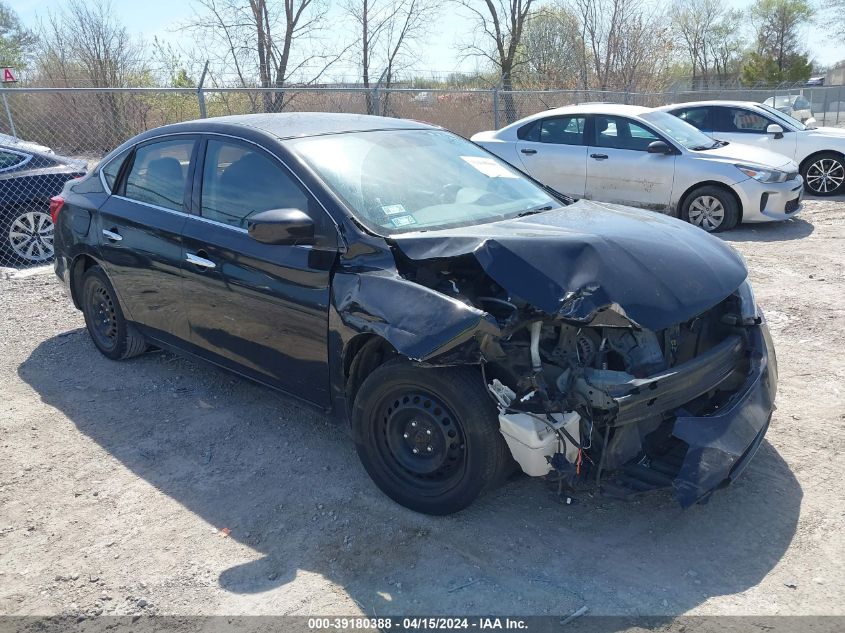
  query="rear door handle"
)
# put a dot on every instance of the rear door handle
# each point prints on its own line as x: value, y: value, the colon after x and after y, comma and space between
x: 598, y: 156
x: 528, y: 151
x: 202, y: 262
x: 113, y: 236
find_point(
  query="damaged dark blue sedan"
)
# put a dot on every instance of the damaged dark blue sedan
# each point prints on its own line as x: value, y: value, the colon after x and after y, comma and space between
x: 464, y: 320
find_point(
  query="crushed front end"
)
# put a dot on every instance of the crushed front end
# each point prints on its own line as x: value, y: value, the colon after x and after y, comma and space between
x: 592, y: 400
x: 684, y: 407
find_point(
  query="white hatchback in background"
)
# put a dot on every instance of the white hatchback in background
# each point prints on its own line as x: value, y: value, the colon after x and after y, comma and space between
x: 819, y: 151
x: 650, y: 159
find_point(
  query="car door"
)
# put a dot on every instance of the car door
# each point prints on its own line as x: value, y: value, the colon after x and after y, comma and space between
x: 619, y: 167
x: 139, y: 230
x: 743, y: 125
x: 259, y: 309
x: 553, y: 151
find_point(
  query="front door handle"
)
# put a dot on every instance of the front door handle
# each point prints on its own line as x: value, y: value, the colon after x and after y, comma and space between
x: 599, y: 156
x: 202, y: 262
x: 528, y: 151
x: 112, y: 236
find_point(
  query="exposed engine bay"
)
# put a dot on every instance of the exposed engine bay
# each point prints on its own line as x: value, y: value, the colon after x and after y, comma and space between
x: 591, y: 402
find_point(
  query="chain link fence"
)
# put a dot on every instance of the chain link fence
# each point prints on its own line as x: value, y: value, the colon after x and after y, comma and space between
x: 50, y: 135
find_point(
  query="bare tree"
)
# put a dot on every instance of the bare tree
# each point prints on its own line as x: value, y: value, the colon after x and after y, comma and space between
x: 707, y: 32
x: 387, y: 29
x: 624, y: 45
x: 270, y: 43
x: 552, y: 48
x: 499, y: 28
x: 84, y: 45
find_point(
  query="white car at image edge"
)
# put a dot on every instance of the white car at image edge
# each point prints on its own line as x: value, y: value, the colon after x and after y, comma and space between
x: 650, y: 159
x: 819, y: 151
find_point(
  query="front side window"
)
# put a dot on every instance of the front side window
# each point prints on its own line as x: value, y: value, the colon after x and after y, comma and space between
x: 8, y: 160
x: 621, y: 133
x: 112, y: 168
x: 240, y: 181
x: 397, y: 181
x: 745, y: 121
x: 159, y: 173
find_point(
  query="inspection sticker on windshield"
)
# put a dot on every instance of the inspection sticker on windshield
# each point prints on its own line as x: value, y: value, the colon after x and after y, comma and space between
x: 403, y: 220
x: 393, y: 209
x: 489, y: 167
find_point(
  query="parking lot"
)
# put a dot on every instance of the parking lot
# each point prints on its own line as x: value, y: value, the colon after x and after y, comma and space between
x: 160, y: 485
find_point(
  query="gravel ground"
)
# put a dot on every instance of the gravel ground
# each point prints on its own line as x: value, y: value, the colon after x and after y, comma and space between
x: 164, y: 486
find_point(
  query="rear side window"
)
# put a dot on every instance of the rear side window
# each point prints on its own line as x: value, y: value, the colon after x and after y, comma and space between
x: 159, y: 173
x: 560, y: 130
x: 697, y: 117
x: 8, y: 160
x: 239, y: 181
x: 621, y: 133
x: 112, y: 168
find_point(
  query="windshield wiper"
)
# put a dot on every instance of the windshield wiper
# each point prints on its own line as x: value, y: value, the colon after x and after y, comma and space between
x: 534, y: 210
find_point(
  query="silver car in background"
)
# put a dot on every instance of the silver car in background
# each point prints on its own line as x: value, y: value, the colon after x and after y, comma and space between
x: 650, y: 159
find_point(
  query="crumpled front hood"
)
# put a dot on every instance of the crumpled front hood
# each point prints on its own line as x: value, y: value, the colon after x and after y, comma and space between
x: 588, y: 257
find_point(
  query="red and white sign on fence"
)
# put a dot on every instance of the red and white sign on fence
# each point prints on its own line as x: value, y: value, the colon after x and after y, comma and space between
x: 9, y: 75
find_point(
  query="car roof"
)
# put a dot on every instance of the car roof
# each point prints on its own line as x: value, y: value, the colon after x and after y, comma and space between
x: 287, y: 125
x: 593, y: 108
x: 710, y: 102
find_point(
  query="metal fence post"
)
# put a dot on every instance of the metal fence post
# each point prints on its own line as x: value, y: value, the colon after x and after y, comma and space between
x: 8, y: 113
x: 201, y: 93
x: 495, y: 107
x: 376, y: 104
x: 839, y: 103
x: 824, y: 107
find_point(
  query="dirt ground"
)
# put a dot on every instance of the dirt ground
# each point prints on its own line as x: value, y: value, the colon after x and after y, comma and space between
x: 164, y: 486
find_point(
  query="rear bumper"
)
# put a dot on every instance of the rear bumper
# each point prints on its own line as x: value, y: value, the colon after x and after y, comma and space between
x: 722, y: 445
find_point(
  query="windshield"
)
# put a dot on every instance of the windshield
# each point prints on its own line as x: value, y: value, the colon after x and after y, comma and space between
x: 680, y: 131
x: 783, y: 117
x: 397, y: 181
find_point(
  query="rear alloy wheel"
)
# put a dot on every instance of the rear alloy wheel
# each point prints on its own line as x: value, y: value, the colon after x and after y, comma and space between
x: 112, y: 334
x: 429, y: 437
x: 824, y: 175
x: 29, y: 237
x: 711, y: 208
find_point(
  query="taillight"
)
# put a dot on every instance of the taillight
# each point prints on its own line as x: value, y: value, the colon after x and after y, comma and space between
x: 56, y: 204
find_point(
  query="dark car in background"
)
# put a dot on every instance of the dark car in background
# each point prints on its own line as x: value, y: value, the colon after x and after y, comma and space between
x: 462, y: 318
x: 28, y: 179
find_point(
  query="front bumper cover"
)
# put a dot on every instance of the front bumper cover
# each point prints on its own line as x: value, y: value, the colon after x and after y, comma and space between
x: 722, y: 445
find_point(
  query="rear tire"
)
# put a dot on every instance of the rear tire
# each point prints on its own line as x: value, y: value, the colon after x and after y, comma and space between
x: 824, y: 174
x: 711, y: 208
x: 112, y: 334
x: 429, y: 437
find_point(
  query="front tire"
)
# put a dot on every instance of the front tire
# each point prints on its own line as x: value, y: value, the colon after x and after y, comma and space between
x: 711, y: 208
x: 112, y: 334
x: 428, y: 437
x: 824, y: 174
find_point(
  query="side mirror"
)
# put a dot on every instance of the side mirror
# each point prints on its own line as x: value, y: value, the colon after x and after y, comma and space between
x: 775, y: 129
x: 281, y: 227
x: 659, y: 147
x: 811, y: 122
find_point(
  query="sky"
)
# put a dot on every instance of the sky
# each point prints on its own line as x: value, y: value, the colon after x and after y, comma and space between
x: 440, y: 54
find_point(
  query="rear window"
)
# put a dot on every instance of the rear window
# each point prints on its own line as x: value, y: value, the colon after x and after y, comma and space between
x: 112, y: 168
x: 11, y: 159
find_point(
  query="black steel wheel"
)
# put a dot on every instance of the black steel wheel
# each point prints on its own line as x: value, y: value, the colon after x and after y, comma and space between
x: 111, y: 333
x: 428, y: 437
